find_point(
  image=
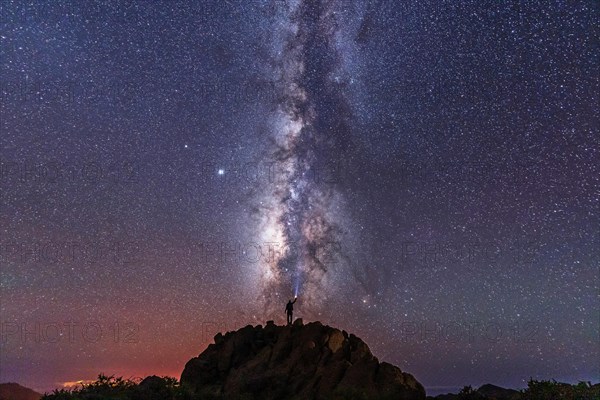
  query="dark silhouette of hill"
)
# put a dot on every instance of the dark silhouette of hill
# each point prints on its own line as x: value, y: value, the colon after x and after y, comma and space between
x: 496, y: 392
x: 14, y: 391
x: 298, y: 361
x: 485, y: 392
x: 536, y: 390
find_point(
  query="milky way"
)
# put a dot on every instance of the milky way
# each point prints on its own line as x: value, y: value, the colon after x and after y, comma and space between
x: 302, y: 213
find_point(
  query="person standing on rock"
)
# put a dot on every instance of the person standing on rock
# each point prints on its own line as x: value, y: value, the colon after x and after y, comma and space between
x: 289, y: 309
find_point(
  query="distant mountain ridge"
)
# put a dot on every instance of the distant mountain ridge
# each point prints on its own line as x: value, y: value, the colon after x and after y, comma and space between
x: 485, y: 392
x: 14, y: 391
x: 536, y: 390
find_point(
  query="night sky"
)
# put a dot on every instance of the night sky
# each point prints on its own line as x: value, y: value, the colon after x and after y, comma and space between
x: 424, y: 174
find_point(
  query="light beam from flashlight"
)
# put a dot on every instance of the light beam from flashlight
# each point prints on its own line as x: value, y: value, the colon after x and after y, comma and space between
x: 296, y: 286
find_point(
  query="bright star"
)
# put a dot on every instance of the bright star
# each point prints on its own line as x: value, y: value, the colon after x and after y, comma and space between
x: 221, y: 172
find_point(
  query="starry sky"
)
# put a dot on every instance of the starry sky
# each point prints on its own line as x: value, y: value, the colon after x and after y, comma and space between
x: 424, y: 174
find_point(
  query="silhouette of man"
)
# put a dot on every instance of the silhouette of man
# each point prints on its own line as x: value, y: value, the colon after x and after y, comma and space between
x: 289, y: 309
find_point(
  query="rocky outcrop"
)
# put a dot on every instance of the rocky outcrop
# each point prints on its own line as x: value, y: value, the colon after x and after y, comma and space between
x: 311, y: 361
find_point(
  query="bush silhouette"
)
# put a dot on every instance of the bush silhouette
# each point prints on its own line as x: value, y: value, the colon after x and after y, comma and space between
x: 118, y: 388
x: 551, y: 390
x: 166, y: 388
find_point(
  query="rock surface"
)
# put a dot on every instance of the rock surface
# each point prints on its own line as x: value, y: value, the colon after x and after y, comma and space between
x: 311, y: 361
